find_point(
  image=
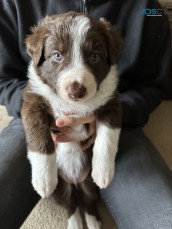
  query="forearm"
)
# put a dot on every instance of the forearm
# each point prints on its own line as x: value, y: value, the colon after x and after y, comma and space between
x: 137, y: 105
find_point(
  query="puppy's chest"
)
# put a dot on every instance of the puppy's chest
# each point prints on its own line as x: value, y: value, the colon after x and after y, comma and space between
x: 73, y: 163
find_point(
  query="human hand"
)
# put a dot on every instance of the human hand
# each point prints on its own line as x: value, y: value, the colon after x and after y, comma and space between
x: 63, y: 126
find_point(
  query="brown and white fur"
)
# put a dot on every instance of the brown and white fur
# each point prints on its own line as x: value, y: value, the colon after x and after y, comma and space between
x: 72, y: 70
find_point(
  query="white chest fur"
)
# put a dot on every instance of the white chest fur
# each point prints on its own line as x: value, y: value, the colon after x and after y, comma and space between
x: 71, y: 162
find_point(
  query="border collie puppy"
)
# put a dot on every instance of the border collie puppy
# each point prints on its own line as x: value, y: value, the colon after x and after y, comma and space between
x: 72, y: 70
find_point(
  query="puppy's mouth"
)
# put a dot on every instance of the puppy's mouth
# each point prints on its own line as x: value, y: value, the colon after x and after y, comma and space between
x: 75, y: 99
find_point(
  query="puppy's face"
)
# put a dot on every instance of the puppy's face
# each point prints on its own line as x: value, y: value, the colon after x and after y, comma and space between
x: 73, y: 53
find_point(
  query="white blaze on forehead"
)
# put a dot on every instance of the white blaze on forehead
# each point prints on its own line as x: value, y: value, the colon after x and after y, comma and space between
x: 77, y: 70
x: 79, y: 26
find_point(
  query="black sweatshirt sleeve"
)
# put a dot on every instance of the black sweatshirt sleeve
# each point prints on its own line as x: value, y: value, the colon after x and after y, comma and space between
x: 147, y: 79
x: 12, y: 66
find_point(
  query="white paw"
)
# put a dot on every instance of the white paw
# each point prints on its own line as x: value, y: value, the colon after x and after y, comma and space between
x: 45, y: 184
x: 75, y: 221
x: 92, y: 222
x: 103, y: 175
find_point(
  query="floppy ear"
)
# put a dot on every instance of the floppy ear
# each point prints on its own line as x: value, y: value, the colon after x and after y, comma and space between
x: 35, y: 43
x: 114, y: 40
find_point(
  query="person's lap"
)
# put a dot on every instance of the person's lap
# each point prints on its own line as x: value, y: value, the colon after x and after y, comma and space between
x: 140, y: 196
x: 17, y: 196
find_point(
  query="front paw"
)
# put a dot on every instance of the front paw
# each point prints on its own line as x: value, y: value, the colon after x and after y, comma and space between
x: 44, y: 185
x: 103, y: 175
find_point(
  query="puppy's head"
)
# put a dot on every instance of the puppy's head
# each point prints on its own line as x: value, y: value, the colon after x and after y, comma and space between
x: 73, y: 53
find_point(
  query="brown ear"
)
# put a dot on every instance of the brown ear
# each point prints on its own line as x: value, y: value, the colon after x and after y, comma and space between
x: 35, y: 43
x: 114, y: 40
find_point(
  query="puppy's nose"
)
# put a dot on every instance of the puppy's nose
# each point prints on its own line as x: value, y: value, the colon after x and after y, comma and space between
x: 76, y: 90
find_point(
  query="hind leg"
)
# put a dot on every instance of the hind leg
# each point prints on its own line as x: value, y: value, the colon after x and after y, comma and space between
x: 90, y: 196
x: 65, y: 194
x: 75, y: 220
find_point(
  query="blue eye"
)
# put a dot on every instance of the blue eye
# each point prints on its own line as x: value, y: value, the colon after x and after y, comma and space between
x: 94, y: 57
x: 57, y: 56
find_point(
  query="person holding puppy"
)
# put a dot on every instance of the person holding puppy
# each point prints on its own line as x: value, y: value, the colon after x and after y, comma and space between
x: 143, y: 69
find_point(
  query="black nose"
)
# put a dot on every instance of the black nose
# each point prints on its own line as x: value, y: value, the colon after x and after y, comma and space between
x: 76, y: 90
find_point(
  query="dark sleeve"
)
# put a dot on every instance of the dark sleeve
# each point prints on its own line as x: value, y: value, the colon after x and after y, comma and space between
x: 12, y: 66
x: 147, y: 79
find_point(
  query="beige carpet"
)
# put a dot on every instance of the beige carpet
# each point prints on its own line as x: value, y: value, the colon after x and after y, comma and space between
x: 48, y: 215
x: 4, y: 118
